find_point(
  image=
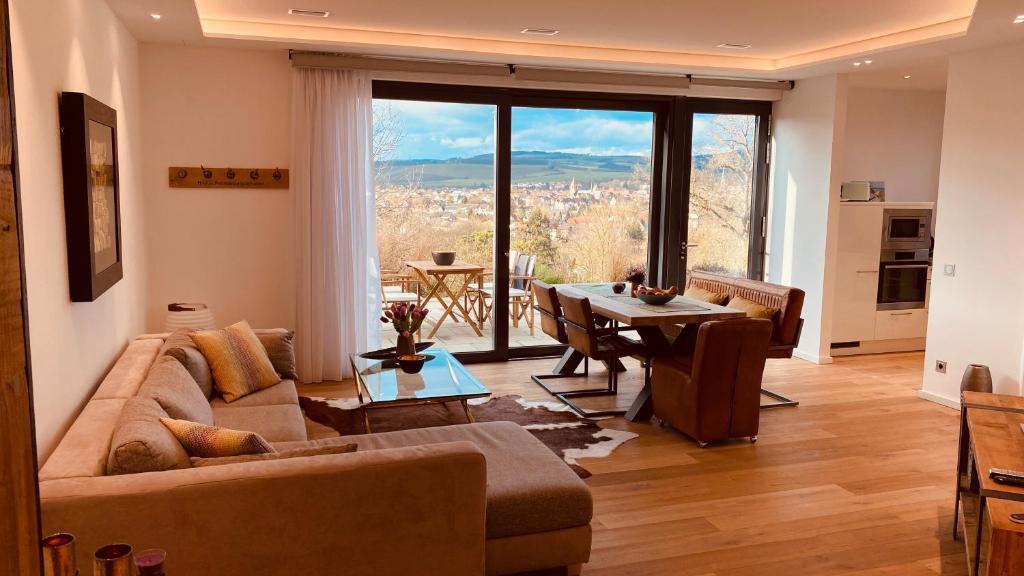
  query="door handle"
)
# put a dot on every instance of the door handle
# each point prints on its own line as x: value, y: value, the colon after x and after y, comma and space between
x: 902, y: 314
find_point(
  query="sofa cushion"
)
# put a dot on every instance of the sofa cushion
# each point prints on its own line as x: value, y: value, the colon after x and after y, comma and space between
x: 129, y: 371
x: 279, y: 455
x: 753, y: 309
x: 280, y: 347
x: 181, y: 347
x: 277, y: 423
x: 84, y: 450
x: 698, y: 293
x: 302, y: 444
x: 549, y: 497
x: 283, y: 392
x: 173, y: 388
x: 213, y: 441
x: 239, y: 361
x: 141, y: 443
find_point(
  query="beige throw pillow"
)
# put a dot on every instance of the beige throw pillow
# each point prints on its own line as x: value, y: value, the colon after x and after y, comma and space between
x: 173, y: 388
x: 239, y: 361
x: 141, y: 443
x: 213, y: 442
x: 181, y: 347
x: 296, y: 453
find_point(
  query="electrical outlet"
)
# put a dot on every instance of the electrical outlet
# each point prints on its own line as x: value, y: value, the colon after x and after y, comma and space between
x: 949, y: 269
x: 940, y: 366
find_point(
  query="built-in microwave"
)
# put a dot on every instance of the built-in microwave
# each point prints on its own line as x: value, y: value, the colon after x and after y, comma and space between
x: 906, y: 228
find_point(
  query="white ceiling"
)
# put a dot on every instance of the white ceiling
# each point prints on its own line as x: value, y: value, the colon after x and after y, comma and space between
x: 790, y: 39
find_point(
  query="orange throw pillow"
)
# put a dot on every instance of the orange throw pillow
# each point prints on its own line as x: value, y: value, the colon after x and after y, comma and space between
x: 239, y: 361
x: 753, y: 309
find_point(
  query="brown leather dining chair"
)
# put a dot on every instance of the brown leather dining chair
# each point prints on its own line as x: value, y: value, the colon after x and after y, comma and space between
x: 714, y: 393
x: 597, y: 343
x: 552, y: 324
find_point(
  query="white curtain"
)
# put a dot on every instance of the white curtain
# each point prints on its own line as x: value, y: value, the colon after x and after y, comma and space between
x: 332, y: 180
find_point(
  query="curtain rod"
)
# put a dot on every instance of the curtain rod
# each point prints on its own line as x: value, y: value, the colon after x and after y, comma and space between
x: 525, y: 73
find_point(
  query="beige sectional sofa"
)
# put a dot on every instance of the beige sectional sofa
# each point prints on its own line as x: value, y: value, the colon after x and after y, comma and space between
x: 484, y: 498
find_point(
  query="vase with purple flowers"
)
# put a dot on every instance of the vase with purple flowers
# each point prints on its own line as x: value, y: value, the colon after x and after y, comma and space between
x: 407, y: 319
x: 635, y: 275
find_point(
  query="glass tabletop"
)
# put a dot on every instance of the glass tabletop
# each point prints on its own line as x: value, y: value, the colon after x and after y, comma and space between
x: 441, y: 377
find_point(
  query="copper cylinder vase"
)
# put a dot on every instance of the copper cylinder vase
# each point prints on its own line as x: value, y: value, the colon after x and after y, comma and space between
x: 59, y: 555
x: 977, y: 378
x: 113, y: 560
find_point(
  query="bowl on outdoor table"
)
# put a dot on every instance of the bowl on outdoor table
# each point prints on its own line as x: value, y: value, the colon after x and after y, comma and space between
x: 443, y: 258
x: 656, y: 299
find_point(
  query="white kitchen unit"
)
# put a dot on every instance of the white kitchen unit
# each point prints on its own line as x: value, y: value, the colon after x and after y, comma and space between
x: 858, y: 326
x: 856, y: 297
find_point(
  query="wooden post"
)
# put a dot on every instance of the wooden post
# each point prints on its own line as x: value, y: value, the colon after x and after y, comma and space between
x: 19, y: 489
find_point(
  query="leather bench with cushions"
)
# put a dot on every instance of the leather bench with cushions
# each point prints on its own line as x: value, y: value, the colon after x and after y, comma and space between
x: 784, y: 304
x: 484, y: 498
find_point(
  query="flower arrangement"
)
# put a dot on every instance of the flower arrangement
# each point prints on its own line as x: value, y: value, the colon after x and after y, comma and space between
x: 636, y: 274
x: 407, y: 319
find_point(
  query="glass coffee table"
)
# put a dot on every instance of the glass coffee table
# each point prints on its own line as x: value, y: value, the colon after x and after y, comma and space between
x: 381, y: 384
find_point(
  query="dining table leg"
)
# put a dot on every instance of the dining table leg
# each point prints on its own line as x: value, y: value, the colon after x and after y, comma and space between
x: 658, y: 344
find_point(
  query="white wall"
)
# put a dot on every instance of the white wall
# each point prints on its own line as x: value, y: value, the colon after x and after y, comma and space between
x: 895, y: 136
x: 804, y: 201
x: 978, y: 315
x: 79, y: 46
x: 230, y: 248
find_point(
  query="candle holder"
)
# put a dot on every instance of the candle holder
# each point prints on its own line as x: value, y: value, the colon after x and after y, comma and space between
x: 113, y: 560
x: 151, y: 562
x: 59, y: 555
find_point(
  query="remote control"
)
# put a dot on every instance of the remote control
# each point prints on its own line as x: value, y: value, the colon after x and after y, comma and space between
x: 1008, y: 477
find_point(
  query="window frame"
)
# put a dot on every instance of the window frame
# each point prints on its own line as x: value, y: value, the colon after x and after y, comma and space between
x: 670, y: 176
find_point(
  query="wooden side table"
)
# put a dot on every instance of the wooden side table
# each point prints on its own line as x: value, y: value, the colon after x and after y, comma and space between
x: 990, y: 437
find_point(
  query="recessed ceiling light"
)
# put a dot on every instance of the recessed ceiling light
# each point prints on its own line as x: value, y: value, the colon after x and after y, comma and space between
x: 155, y: 16
x: 856, y: 63
x: 733, y: 46
x: 907, y: 77
x: 312, y: 13
x: 539, y: 31
x: 1019, y: 19
x: 867, y: 61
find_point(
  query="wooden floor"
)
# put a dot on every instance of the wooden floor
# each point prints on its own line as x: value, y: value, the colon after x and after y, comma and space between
x: 857, y: 480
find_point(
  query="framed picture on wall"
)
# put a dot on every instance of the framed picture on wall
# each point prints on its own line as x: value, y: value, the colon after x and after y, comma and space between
x: 91, y: 195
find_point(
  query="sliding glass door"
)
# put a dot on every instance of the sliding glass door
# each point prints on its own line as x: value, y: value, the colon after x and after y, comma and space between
x: 434, y: 178
x: 727, y: 188
x: 581, y: 202
x: 528, y: 185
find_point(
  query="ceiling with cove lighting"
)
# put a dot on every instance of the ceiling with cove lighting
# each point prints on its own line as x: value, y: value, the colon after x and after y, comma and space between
x: 788, y: 39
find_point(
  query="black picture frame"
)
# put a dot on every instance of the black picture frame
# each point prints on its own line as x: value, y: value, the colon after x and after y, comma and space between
x: 92, y: 195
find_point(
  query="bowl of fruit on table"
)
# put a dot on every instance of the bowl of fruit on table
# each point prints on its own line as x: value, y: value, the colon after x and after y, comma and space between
x: 656, y: 296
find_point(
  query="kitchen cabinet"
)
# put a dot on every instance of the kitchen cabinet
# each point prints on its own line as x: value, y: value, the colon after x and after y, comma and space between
x: 856, y: 287
x: 897, y: 324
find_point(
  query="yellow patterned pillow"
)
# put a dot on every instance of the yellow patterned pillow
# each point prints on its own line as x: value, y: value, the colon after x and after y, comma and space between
x: 753, y: 309
x: 213, y: 442
x: 238, y: 359
x: 698, y: 293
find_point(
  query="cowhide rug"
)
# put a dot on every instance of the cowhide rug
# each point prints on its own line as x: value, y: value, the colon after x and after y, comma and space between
x: 553, y: 423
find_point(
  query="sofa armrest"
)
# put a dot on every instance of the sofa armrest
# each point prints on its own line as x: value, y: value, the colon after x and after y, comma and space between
x: 412, y: 510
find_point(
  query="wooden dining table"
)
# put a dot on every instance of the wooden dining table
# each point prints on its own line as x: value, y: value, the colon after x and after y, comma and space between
x: 435, y: 276
x: 664, y: 329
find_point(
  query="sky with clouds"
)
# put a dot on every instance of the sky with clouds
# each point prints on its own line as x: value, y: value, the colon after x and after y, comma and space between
x: 436, y: 130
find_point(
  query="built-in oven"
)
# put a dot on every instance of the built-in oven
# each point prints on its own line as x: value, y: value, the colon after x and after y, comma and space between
x: 903, y: 279
x: 906, y: 228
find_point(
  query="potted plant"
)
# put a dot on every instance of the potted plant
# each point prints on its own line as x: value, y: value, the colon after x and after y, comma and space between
x: 407, y: 319
x: 635, y: 275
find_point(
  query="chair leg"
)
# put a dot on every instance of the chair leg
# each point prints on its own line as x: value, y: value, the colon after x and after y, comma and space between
x: 566, y: 395
x: 783, y: 401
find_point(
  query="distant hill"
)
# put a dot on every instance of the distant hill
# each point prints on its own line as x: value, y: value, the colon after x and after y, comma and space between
x: 527, y: 167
